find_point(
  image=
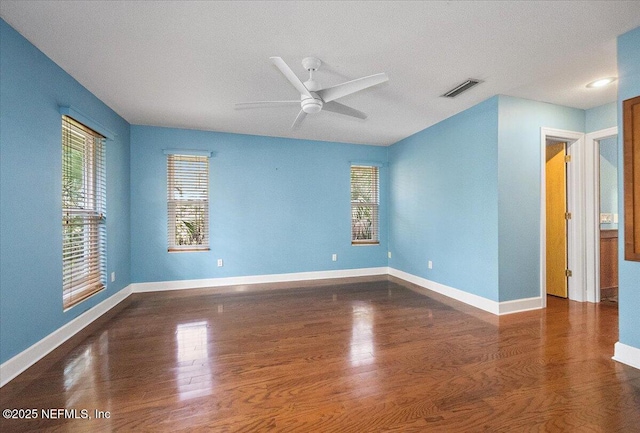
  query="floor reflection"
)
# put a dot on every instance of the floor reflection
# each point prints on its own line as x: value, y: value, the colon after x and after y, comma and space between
x: 362, y: 350
x: 103, y: 351
x: 78, y: 371
x: 85, y: 372
x: 193, y: 375
x: 85, y: 376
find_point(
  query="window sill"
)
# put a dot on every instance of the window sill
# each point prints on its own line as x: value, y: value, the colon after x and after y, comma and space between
x: 187, y: 250
x: 362, y: 243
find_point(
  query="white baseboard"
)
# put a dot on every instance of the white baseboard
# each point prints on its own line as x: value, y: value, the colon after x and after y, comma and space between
x: 498, y: 308
x: 254, y: 279
x: 25, y: 359
x: 459, y: 295
x: 519, y: 305
x: 626, y: 354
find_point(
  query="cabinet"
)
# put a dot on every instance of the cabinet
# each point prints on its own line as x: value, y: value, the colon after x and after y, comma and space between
x: 608, y: 263
x: 631, y: 147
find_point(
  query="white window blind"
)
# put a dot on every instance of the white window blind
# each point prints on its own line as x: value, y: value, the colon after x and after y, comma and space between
x: 83, y: 212
x: 188, y: 202
x: 365, y: 200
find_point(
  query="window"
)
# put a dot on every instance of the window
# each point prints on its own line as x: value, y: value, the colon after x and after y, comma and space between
x: 188, y: 202
x: 83, y: 212
x: 365, y: 187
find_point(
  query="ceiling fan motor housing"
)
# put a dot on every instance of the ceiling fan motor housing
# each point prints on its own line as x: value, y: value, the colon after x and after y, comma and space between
x: 311, y: 105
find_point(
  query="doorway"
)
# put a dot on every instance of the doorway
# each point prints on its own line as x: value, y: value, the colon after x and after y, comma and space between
x: 583, y: 202
x: 574, y: 265
x: 601, y: 216
x: 556, y: 216
x: 608, y: 219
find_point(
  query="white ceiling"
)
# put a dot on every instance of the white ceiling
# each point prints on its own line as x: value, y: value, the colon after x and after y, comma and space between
x: 184, y: 64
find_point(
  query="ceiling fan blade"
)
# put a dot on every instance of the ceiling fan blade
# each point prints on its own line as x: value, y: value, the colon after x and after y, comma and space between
x: 291, y: 76
x: 337, y: 107
x: 258, y: 104
x: 299, y: 119
x: 344, y: 89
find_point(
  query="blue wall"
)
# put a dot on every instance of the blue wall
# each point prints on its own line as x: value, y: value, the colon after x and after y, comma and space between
x: 609, y: 179
x: 277, y: 206
x: 629, y: 272
x: 601, y: 117
x: 465, y: 193
x: 31, y: 89
x: 596, y: 119
x: 519, y: 166
x: 444, y: 202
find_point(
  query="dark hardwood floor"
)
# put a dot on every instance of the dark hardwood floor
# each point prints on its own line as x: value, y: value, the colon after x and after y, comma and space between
x: 362, y: 357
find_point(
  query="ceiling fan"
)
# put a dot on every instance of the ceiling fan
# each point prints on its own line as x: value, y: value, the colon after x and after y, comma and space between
x: 314, y: 98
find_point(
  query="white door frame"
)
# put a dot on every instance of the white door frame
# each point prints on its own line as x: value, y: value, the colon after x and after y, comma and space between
x: 592, y: 210
x: 576, y: 225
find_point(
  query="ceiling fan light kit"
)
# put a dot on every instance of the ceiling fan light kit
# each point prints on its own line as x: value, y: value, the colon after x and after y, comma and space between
x: 311, y: 105
x: 313, y: 97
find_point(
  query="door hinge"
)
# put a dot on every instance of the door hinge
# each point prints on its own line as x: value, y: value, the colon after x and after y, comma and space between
x: 567, y: 215
x: 568, y: 273
x: 567, y: 158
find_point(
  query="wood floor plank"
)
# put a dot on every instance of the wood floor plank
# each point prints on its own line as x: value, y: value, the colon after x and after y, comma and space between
x: 371, y: 356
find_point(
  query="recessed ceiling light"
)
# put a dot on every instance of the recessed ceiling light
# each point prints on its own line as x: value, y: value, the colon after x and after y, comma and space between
x: 601, y: 82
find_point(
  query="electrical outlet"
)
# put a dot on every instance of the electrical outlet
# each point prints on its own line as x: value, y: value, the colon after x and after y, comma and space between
x: 334, y: 257
x: 430, y: 264
x: 220, y: 264
x: 606, y: 218
x: 113, y: 276
x: 389, y: 254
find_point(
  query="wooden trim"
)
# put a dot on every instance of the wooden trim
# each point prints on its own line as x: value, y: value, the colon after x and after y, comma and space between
x: 631, y: 180
x: 608, y: 234
x: 608, y: 261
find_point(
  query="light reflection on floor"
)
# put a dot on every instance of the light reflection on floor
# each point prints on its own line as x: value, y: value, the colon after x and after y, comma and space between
x: 362, y: 352
x: 78, y: 371
x: 362, y: 349
x: 84, y: 377
x: 194, y: 376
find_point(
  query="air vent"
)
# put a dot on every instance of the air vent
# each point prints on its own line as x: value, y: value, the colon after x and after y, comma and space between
x: 461, y: 88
